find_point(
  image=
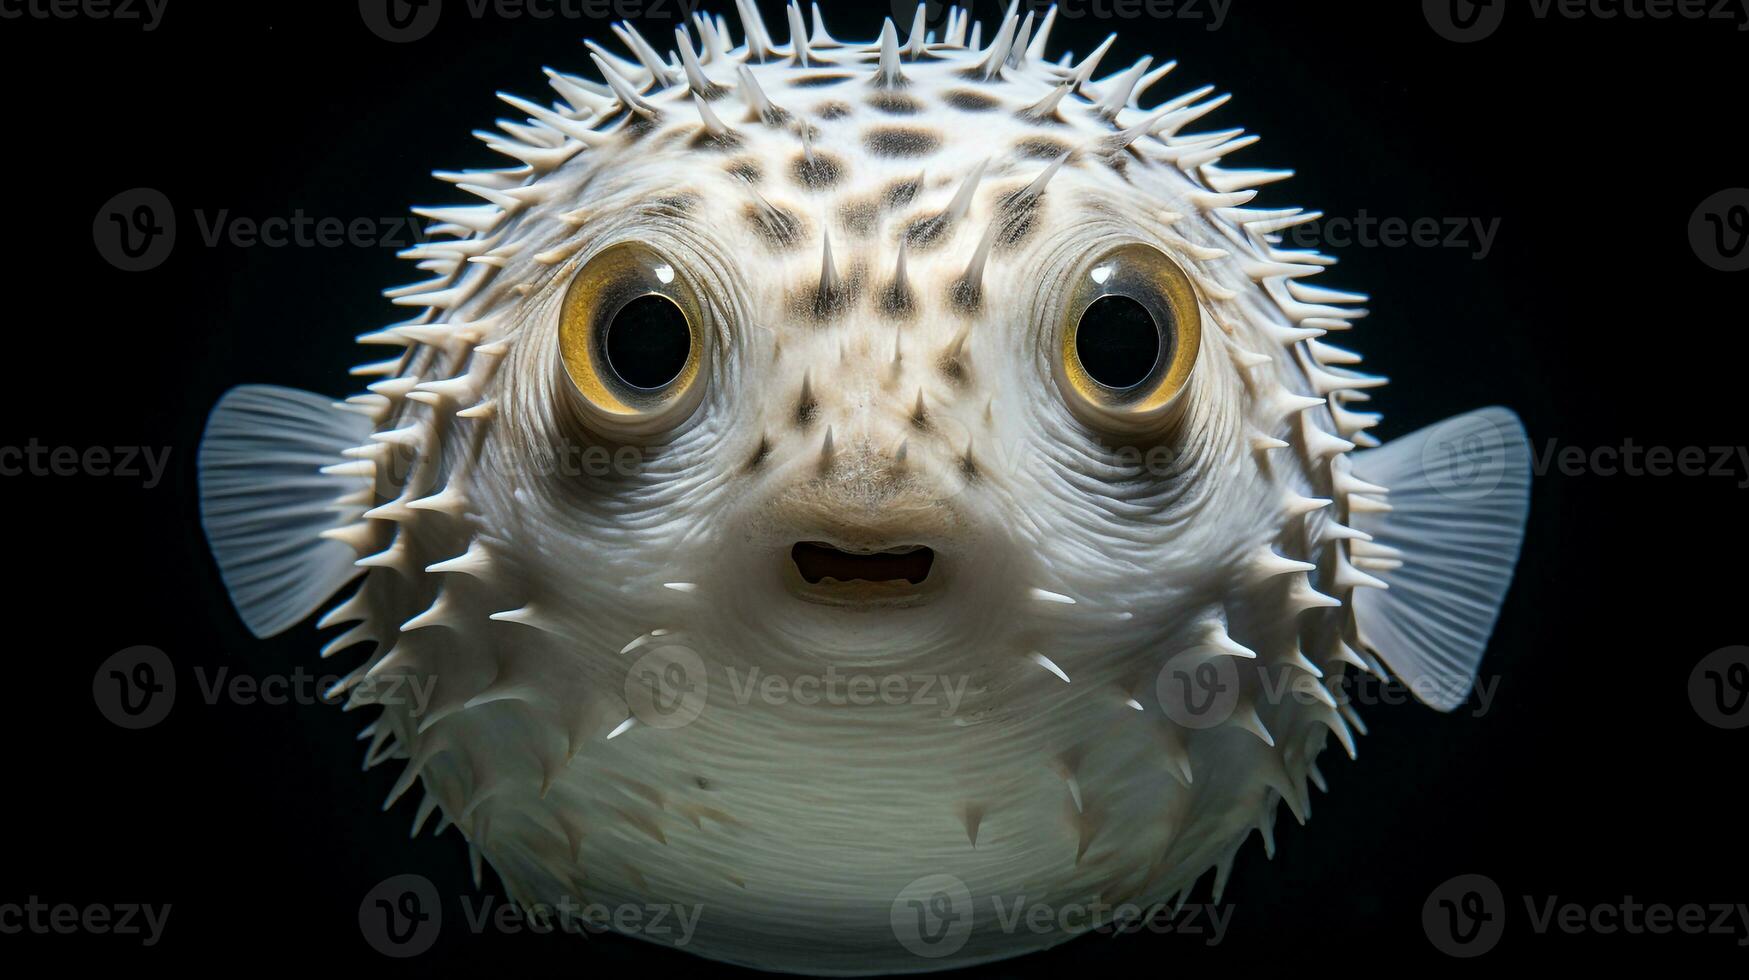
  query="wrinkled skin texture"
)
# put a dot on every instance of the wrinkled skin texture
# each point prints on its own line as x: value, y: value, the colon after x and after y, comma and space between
x: 795, y: 823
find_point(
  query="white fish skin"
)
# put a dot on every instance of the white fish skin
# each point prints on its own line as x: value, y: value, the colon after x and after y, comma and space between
x: 1004, y: 731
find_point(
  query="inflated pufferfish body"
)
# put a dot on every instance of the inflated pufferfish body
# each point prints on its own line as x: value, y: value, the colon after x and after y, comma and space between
x: 843, y: 489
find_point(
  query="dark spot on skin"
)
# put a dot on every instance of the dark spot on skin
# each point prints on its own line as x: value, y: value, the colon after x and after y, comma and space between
x: 779, y: 228
x: 860, y: 217
x: 901, y: 193
x: 953, y: 369
x: 925, y: 233
x: 817, y: 173
x: 966, y: 100
x: 704, y: 139
x: 1054, y: 117
x: 819, y: 81
x: 636, y: 128
x: 896, y: 300
x: 775, y: 116
x: 759, y: 456
x: 966, y: 297
x: 747, y: 169
x: 969, y: 466
x: 1017, y: 214
x: 1014, y: 229
x: 894, y: 104
x: 898, y: 141
x: 833, y: 110
x: 1040, y: 148
x: 674, y: 206
x: 829, y: 303
x: 700, y: 781
x: 816, y: 303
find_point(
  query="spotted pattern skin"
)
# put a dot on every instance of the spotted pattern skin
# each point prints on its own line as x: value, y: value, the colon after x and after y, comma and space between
x: 881, y: 235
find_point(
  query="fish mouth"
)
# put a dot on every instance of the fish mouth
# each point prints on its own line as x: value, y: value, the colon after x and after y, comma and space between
x: 901, y: 568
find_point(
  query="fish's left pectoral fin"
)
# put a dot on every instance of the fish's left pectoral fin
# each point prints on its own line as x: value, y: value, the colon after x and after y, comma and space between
x: 265, y: 500
x: 1445, y: 542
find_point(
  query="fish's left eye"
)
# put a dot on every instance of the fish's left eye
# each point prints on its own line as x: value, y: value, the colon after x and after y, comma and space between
x: 632, y: 339
x: 1129, y: 338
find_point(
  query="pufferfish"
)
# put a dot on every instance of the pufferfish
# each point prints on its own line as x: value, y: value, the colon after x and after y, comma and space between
x: 851, y: 491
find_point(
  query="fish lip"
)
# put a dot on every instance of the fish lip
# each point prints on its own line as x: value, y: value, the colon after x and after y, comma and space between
x: 840, y: 573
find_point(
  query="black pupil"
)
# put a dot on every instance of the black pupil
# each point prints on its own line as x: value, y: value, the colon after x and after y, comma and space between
x: 648, y: 342
x: 1117, y: 342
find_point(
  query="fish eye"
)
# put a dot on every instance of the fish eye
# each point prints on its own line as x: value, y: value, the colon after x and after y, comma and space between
x: 631, y: 337
x: 648, y: 342
x: 1129, y: 338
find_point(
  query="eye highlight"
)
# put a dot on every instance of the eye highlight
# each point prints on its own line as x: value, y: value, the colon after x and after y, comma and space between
x: 631, y: 336
x: 1129, y: 338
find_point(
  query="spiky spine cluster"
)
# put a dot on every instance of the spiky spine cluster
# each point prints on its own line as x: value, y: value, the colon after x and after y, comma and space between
x: 434, y: 403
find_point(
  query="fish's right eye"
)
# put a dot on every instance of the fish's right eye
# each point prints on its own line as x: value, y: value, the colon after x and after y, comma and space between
x: 1129, y: 339
x: 632, y: 340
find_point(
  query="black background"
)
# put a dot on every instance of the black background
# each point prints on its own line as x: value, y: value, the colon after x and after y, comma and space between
x: 1591, y: 778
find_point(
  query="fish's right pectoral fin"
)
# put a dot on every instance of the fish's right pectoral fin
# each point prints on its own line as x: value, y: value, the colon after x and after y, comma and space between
x: 265, y: 500
x: 1459, y: 494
